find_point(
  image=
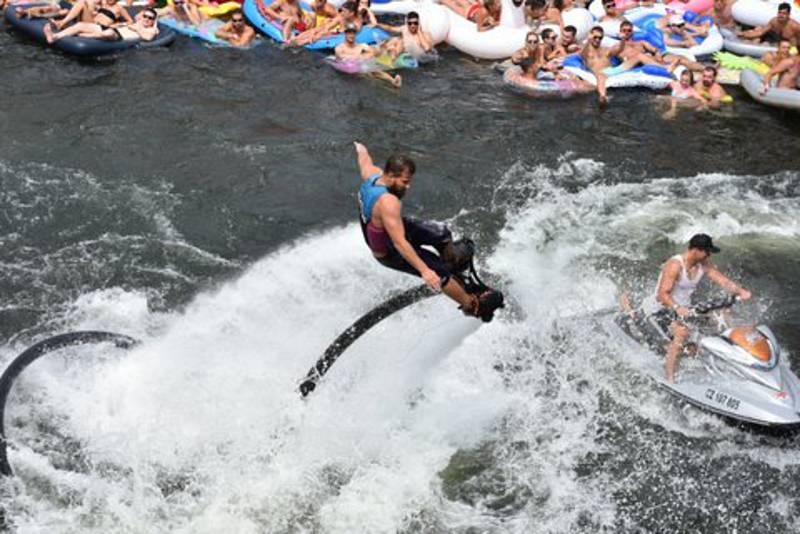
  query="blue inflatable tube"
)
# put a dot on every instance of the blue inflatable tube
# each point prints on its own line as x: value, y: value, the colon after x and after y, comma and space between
x: 81, y: 46
x: 271, y: 29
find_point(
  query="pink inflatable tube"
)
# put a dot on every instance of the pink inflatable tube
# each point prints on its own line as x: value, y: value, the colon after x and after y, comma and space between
x: 698, y: 6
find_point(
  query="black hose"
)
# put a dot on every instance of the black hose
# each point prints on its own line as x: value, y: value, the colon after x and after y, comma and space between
x: 36, y: 351
x: 356, y: 330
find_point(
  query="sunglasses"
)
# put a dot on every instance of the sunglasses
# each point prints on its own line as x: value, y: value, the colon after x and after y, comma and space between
x: 148, y: 17
x: 413, y: 23
x: 237, y: 21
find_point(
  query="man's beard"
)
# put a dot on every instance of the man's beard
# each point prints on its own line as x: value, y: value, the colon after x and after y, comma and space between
x: 397, y: 191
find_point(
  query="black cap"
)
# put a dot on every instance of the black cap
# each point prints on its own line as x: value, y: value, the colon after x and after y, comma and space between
x: 703, y: 242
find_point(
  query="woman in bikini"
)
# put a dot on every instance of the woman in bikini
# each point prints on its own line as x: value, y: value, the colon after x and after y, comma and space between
x: 144, y: 28
x: 485, y: 15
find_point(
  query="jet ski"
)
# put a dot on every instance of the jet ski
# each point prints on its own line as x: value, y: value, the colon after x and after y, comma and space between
x: 739, y: 372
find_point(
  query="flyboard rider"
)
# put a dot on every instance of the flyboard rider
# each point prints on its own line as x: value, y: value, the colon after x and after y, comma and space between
x: 669, y: 304
x: 397, y: 242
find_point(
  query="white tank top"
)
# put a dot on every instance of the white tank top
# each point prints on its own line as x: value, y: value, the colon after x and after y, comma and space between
x: 681, y: 291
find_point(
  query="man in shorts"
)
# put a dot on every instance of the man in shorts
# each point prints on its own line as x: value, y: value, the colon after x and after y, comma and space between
x: 679, y: 277
x: 397, y: 242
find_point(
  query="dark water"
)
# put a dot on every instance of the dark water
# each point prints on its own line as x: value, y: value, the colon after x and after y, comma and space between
x: 163, y: 175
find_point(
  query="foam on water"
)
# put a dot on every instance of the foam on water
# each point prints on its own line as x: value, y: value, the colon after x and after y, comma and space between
x: 428, y: 423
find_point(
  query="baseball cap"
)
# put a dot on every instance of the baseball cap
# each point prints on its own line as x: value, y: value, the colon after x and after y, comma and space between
x: 350, y: 27
x: 703, y: 242
x: 677, y: 20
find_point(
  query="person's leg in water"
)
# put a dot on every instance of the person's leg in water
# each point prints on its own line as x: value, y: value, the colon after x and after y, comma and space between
x: 679, y: 336
x: 395, y: 80
x: 82, y: 8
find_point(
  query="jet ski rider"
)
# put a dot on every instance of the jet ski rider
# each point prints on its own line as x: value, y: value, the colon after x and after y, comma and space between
x: 678, y: 279
x: 397, y: 241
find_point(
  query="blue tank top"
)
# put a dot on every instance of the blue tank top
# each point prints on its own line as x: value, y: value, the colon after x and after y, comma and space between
x: 368, y: 195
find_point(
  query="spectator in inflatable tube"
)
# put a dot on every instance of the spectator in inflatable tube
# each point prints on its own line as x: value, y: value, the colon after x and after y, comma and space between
x: 780, y: 27
x: 325, y: 20
x: 143, y: 28
x: 182, y: 11
x: 568, y: 42
x: 722, y: 13
x: 678, y: 33
x: 552, y: 53
x: 597, y: 59
x: 236, y: 31
x: 783, y: 52
x: 635, y: 53
x: 107, y: 13
x: 349, y: 50
x: 397, y: 242
x: 412, y: 39
x: 365, y: 14
x: 788, y: 72
x: 290, y: 15
x: 531, y: 51
x: 485, y: 15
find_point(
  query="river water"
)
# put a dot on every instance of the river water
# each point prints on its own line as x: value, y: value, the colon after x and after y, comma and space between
x: 203, y: 201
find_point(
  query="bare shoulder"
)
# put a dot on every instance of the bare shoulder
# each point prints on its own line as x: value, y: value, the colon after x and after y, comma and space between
x: 672, y: 266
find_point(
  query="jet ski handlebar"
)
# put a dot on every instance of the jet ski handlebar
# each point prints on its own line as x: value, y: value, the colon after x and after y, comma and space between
x: 720, y: 303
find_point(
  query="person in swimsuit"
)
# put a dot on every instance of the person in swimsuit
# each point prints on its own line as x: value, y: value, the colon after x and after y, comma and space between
x: 552, y: 57
x: 413, y: 40
x: 788, y: 72
x: 532, y: 50
x: 485, y: 15
x: 397, y: 242
x: 182, y: 11
x: 597, y: 59
x: 635, y: 53
x: 143, y: 28
x: 350, y: 50
x: 677, y: 33
x: 683, y: 93
x: 780, y: 27
x: 722, y: 13
x: 236, y: 31
x: 325, y: 20
x: 670, y: 302
x: 365, y: 14
x: 107, y: 14
x: 536, y: 12
x: 708, y: 88
x: 290, y: 15
x: 568, y: 42
x: 783, y: 52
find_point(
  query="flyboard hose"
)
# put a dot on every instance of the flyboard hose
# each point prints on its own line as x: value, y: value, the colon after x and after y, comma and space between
x: 469, y: 281
x: 464, y: 273
x: 37, y: 351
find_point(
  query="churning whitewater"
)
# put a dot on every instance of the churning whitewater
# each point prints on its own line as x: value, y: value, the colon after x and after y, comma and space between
x: 431, y: 422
